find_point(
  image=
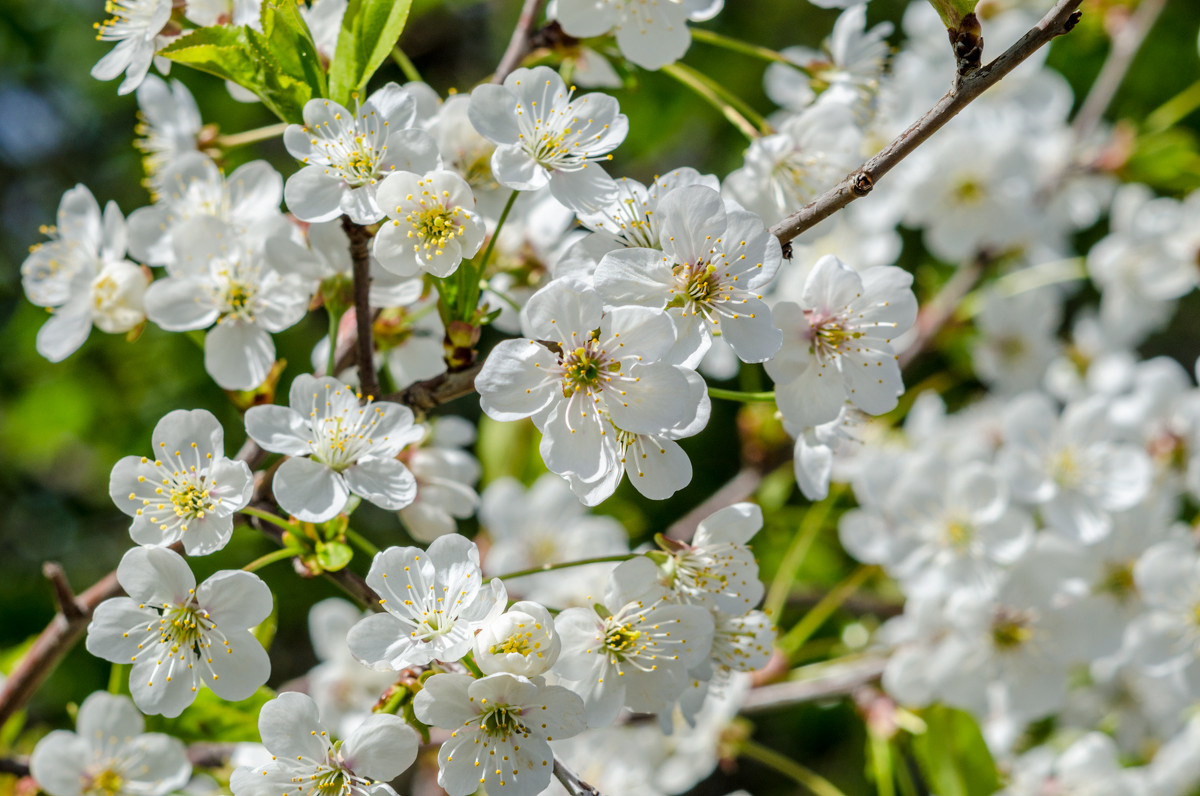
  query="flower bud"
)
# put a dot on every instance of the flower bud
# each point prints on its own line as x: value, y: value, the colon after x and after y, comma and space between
x: 520, y: 641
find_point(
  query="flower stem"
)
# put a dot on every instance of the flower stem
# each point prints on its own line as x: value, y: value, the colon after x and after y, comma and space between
x: 1174, y: 110
x: 469, y: 277
x: 406, y: 65
x: 566, y: 564
x: 743, y: 397
x: 118, y: 677
x: 785, y: 576
x: 718, y: 98
x: 801, y: 775
x: 267, y: 516
x: 270, y: 558
x: 824, y: 609
x: 251, y: 136
x: 469, y: 661
x: 362, y: 543
x: 739, y: 46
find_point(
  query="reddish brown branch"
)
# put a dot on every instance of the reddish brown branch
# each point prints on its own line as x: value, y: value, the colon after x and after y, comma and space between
x: 521, y: 42
x: 360, y: 255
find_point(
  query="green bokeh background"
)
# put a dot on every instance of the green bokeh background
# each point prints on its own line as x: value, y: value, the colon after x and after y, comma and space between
x: 62, y: 426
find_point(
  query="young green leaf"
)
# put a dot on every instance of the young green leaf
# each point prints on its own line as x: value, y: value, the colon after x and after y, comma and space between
x: 370, y: 29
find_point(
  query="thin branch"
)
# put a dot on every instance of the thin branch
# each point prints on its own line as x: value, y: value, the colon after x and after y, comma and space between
x: 840, y: 679
x: 360, y: 254
x: 426, y: 395
x: 938, y: 311
x: 17, y: 766
x: 68, y: 604
x: 521, y: 42
x: 1125, y: 45
x: 1060, y: 19
x: 571, y: 781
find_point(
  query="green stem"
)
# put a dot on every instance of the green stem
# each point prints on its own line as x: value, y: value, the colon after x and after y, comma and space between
x: 688, y: 78
x: 469, y: 662
x: 1174, y: 110
x: 505, y: 298
x: 881, y: 760
x: 824, y: 609
x: 801, y: 775
x: 270, y: 558
x: 567, y: 564
x: 266, y: 516
x: 250, y: 136
x: 907, y: 786
x: 335, y: 318
x: 739, y: 46
x: 743, y: 397
x: 362, y: 543
x: 470, y: 277
x: 118, y: 676
x: 785, y: 576
x: 406, y: 65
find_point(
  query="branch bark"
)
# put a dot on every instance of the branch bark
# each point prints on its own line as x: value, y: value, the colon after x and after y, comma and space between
x: 426, y: 395
x: 520, y: 43
x: 842, y: 679
x: 360, y: 255
x: 571, y: 781
x: 1059, y: 20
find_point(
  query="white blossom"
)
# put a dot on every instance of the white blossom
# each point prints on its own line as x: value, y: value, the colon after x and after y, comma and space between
x: 135, y: 26
x: 336, y: 446
x: 650, y: 35
x: 169, y: 125
x: 544, y: 137
x: 432, y: 225
x: 500, y: 728
x: 519, y: 641
x: 180, y: 636
x: 433, y: 603
x: 188, y: 490
x: 109, y: 754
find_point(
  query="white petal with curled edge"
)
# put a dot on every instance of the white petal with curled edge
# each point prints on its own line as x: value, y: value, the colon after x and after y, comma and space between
x: 515, y: 168
x: 116, y: 629
x: 67, y: 330
x: 155, y: 575
x: 382, y: 747
x: 516, y: 380
x: 312, y: 195
x: 238, y: 355
x: 382, y: 642
x: 385, y: 482
x: 309, y: 490
x: 235, y: 598
x: 286, y: 725
x: 445, y: 703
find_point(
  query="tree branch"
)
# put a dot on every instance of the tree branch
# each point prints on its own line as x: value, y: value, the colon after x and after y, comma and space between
x: 360, y: 254
x: 426, y: 395
x: 17, y: 766
x: 520, y: 43
x: 935, y: 314
x: 1125, y: 45
x: 839, y: 680
x: 571, y: 781
x: 1059, y: 20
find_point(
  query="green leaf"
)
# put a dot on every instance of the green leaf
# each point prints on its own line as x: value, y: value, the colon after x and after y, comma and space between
x: 333, y: 556
x: 370, y: 29
x: 952, y: 754
x: 280, y: 65
x: 211, y: 718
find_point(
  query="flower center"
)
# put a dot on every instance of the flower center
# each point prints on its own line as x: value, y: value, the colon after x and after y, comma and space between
x: 621, y: 639
x: 1118, y: 580
x: 107, y: 782
x: 585, y: 368
x: 435, y: 225
x: 697, y: 284
x: 183, y: 626
x: 501, y: 722
x: 969, y: 191
x: 518, y: 643
x: 1011, y: 629
x: 191, y: 501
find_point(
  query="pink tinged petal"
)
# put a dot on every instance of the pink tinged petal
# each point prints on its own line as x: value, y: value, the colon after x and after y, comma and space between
x: 239, y: 667
x: 517, y: 380
x: 640, y: 277
x: 493, y: 113
x: 67, y: 330
x: 385, y: 482
x: 155, y: 575
x: 286, y: 725
x: 180, y: 304
x: 515, y: 168
x: 309, y: 490
x: 238, y: 355
x: 312, y: 195
x: 381, y: 748
x: 117, y: 627
x: 382, y: 642
x: 278, y: 429
x: 583, y: 190
x: 59, y: 762
x: 235, y: 599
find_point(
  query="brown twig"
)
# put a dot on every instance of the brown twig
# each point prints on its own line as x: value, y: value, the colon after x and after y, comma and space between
x: 938, y: 311
x: 521, y: 42
x: 426, y: 395
x: 360, y: 255
x: 64, y: 595
x: 1059, y: 20
x: 737, y: 489
x: 571, y: 781
x: 841, y: 679
x: 17, y: 766
x: 1125, y: 45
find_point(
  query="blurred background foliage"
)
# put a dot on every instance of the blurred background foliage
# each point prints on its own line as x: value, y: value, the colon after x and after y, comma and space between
x: 63, y: 426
